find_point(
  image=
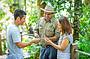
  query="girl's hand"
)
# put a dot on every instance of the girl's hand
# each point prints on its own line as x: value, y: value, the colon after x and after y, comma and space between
x: 48, y: 41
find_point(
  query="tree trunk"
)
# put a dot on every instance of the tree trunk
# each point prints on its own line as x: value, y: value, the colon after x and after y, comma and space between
x: 77, y: 14
x: 25, y: 4
x: 0, y: 46
x: 41, y: 4
x: 87, y: 2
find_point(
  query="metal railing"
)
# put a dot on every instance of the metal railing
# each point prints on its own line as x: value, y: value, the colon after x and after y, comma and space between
x: 75, y: 52
x: 82, y: 52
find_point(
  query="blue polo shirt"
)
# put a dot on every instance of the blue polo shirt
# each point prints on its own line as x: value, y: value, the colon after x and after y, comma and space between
x: 13, y: 36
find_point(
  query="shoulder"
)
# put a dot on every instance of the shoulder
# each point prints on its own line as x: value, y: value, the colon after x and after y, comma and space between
x: 40, y: 20
x: 68, y: 37
x: 65, y: 36
x: 12, y: 27
x: 71, y: 38
x: 54, y: 21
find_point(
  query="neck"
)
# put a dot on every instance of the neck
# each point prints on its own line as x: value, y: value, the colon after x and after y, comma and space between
x: 48, y: 20
x: 16, y: 23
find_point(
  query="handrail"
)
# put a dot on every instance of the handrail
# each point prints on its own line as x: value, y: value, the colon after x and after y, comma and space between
x: 75, y: 51
x: 88, y: 54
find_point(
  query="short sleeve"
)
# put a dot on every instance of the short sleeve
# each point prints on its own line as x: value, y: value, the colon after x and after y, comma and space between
x: 70, y: 38
x: 16, y: 35
x: 66, y: 37
x: 38, y: 24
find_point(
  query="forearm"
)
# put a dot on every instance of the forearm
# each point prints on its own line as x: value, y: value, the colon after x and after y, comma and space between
x: 55, y: 46
x: 54, y: 38
x: 62, y: 46
x: 22, y: 45
x: 58, y: 47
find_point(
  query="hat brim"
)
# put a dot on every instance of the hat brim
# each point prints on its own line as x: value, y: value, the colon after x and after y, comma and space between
x: 47, y: 10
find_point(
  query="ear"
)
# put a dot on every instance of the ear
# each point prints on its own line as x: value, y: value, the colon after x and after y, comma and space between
x: 18, y: 18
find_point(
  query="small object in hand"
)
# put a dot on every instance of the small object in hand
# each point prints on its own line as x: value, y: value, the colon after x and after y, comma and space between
x: 42, y: 42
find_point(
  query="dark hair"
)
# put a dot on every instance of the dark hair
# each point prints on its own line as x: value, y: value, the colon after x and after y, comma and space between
x: 66, y: 27
x: 19, y: 13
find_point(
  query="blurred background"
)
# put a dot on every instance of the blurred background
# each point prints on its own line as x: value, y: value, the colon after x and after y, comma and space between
x: 77, y: 11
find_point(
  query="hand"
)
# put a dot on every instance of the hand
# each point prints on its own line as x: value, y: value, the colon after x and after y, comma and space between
x: 35, y: 40
x: 48, y: 41
x: 36, y: 35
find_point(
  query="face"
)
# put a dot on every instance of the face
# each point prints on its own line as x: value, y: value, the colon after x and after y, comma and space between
x: 59, y: 26
x: 20, y: 21
x: 48, y: 15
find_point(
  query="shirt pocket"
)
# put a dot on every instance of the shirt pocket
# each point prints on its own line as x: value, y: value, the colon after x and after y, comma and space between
x: 41, y: 29
x: 50, y: 31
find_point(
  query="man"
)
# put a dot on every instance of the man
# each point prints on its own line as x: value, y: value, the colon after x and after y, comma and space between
x: 46, y: 28
x: 14, y: 43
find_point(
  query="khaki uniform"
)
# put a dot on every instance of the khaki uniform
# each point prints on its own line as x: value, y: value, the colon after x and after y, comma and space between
x: 47, y: 29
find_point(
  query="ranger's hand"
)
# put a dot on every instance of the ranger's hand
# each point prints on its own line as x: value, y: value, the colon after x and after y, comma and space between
x: 48, y: 41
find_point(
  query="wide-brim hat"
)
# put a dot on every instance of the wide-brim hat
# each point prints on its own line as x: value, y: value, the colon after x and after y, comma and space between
x: 48, y: 9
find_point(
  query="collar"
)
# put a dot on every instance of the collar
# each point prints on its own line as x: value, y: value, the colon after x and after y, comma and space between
x: 48, y: 21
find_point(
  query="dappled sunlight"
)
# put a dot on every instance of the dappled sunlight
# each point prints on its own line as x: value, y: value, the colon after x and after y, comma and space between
x: 76, y: 11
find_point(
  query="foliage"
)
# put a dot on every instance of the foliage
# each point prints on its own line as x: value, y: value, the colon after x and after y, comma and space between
x: 2, y: 14
x: 33, y: 50
x: 62, y: 7
x: 84, y: 41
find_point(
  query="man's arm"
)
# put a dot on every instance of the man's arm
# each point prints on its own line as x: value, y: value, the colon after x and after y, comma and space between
x: 57, y: 34
x: 22, y: 45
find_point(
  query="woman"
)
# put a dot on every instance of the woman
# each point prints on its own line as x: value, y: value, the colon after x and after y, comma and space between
x: 65, y: 40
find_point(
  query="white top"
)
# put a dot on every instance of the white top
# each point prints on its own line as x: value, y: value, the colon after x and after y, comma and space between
x: 66, y: 53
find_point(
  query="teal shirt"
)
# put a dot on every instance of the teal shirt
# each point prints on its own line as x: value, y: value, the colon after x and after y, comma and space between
x: 13, y: 36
